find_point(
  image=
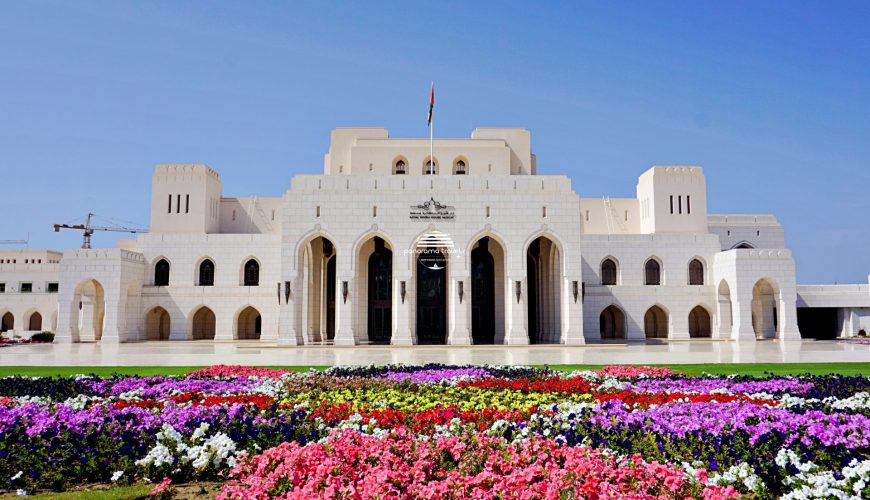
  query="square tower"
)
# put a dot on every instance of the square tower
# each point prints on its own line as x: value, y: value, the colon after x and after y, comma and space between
x: 185, y: 199
x: 672, y: 199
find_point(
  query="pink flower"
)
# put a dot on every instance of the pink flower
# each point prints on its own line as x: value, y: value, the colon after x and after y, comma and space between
x: 161, y: 486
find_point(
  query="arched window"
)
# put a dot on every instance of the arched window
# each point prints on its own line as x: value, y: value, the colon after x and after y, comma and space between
x: 400, y: 167
x: 460, y: 167
x: 429, y: 168
x: 696, y: 272
x: 608, y: 272
x: 652, y: 273
x: 252, y: 273
x: 206, y: 273
x: 161, y: 273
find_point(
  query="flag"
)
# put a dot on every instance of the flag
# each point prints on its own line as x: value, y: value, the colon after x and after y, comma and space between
x: 431, y: 105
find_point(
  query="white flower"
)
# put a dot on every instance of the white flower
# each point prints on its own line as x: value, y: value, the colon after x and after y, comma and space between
x: 117, y: 475
x: 16, y: 476
x: 21, y: 493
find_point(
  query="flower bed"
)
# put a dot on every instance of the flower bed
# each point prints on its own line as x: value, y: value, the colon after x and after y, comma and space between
x: 442, y: 432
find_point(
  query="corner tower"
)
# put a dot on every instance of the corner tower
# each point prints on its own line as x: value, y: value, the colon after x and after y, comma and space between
x: 185, y: 199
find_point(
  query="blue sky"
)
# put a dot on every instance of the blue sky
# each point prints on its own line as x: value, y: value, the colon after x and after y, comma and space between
x: 771, y: 98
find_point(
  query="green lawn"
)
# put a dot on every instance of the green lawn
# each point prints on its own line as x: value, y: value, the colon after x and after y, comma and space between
x: 689, y: 369
x: 119, y: 493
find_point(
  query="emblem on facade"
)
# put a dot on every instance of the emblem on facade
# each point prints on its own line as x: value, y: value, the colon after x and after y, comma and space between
x: 432, y: 210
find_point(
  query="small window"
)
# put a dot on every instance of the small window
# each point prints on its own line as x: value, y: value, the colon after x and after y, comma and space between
x: 374, y: 210
x: 400, y: 167
x: 587, y: 216
x: 696, y: 272
x: 652, y: 273
x: 460, y: 168
x: 544, y: 211
x: 161, y: 273
x: 206, y: 273
x: 26, y: 288
x: 252, y: 273
x: 487, y: 212
x: 169, y: 208
x: 429, y: 168
x: 688, y: 204
x: 317, y: 211
x: 187, y: 203
x: 626, y: 216
x: 672, y: 204
x: 178, y: 204
x: 273, y: 215
x: 608, y: 272
x: 51, y: 288
x: 2, y: 287
x: 234, y: 215
x: 679, y: 204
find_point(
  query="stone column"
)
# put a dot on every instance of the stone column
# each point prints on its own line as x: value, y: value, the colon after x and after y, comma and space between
x: 287, y: 332
x: 344, y: 331
x: 402, y: 315
x: 459, y: 333
x: 741, y: 312
x: 572, y: 321
x: 517, y: 311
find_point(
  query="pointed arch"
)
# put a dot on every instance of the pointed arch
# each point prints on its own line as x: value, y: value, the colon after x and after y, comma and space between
x: 248, y: 324
x: 89, y: 310
x: 611, y: 322
x: 250, y: 271
x: 460, y: 165
x: 700, y: 322
x: 696, y: 271
x: 157, y: 324
x: 544, y: 264
x: 765, y: 313
x: 426, y: 169
x: 609, y: 270
x: 653, y: 271
x: 161, y: 272
x: 34, y: 321
x: 202, y: 323
x: 743, y: 244
x: 400, y: 165
x: 205, y: 271
x: 655, y: 322
x: 7, y: 322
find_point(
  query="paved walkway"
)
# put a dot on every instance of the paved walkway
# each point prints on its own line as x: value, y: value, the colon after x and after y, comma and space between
x: 179, y: 353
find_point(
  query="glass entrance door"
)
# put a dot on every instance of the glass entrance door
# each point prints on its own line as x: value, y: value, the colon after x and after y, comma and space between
x: 431, y: 297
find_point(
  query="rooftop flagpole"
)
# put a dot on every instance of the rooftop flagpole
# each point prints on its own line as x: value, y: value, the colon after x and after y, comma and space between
x: 431, y: 130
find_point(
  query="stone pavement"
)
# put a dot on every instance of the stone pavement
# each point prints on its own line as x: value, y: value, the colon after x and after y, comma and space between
x: 188, y: 353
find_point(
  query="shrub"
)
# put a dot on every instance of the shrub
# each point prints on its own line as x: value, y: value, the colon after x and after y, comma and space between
x: 43, y: 337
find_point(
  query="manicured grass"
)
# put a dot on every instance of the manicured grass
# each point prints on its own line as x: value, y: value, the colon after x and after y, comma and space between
x: 119, y: 493
x: 689, y: 369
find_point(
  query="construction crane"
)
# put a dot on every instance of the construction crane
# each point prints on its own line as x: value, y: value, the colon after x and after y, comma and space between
x: 13, y: 242
x: 88, y: 229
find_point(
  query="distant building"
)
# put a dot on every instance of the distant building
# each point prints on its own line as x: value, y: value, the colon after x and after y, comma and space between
x: 390, y: 246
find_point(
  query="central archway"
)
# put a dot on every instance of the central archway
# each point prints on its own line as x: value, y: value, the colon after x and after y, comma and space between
x: 431, y: 269
x: 318, y: 261
x: 203, y: 324
x: 157, y: 324
x: 543, y: 268
x: 764, y: 311
x: 379, y: 291
x: 484, y: 289
x: 90, y: 306
x: 655, y: 323
x: 612, y: 323
x: 699, y: 323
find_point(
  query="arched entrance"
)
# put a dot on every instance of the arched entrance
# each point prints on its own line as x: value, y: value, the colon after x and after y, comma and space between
x: 90, y: 304
x: 249, y: 325
x: 157, y: 324
x: 699, y: 323
x: 543, y: 268
x: 203, y: 324
x: 35, y: 322
x: 379, y: 290
x: 318, y: 260
x: 484, y: 289
x: 655, y: 323
x: 7, y: 323
x: 431, y: 269
x: 764, y: 310
x: 612, y: 323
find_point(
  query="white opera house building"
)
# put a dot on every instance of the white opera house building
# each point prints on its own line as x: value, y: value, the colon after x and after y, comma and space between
x: 387, y: 246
